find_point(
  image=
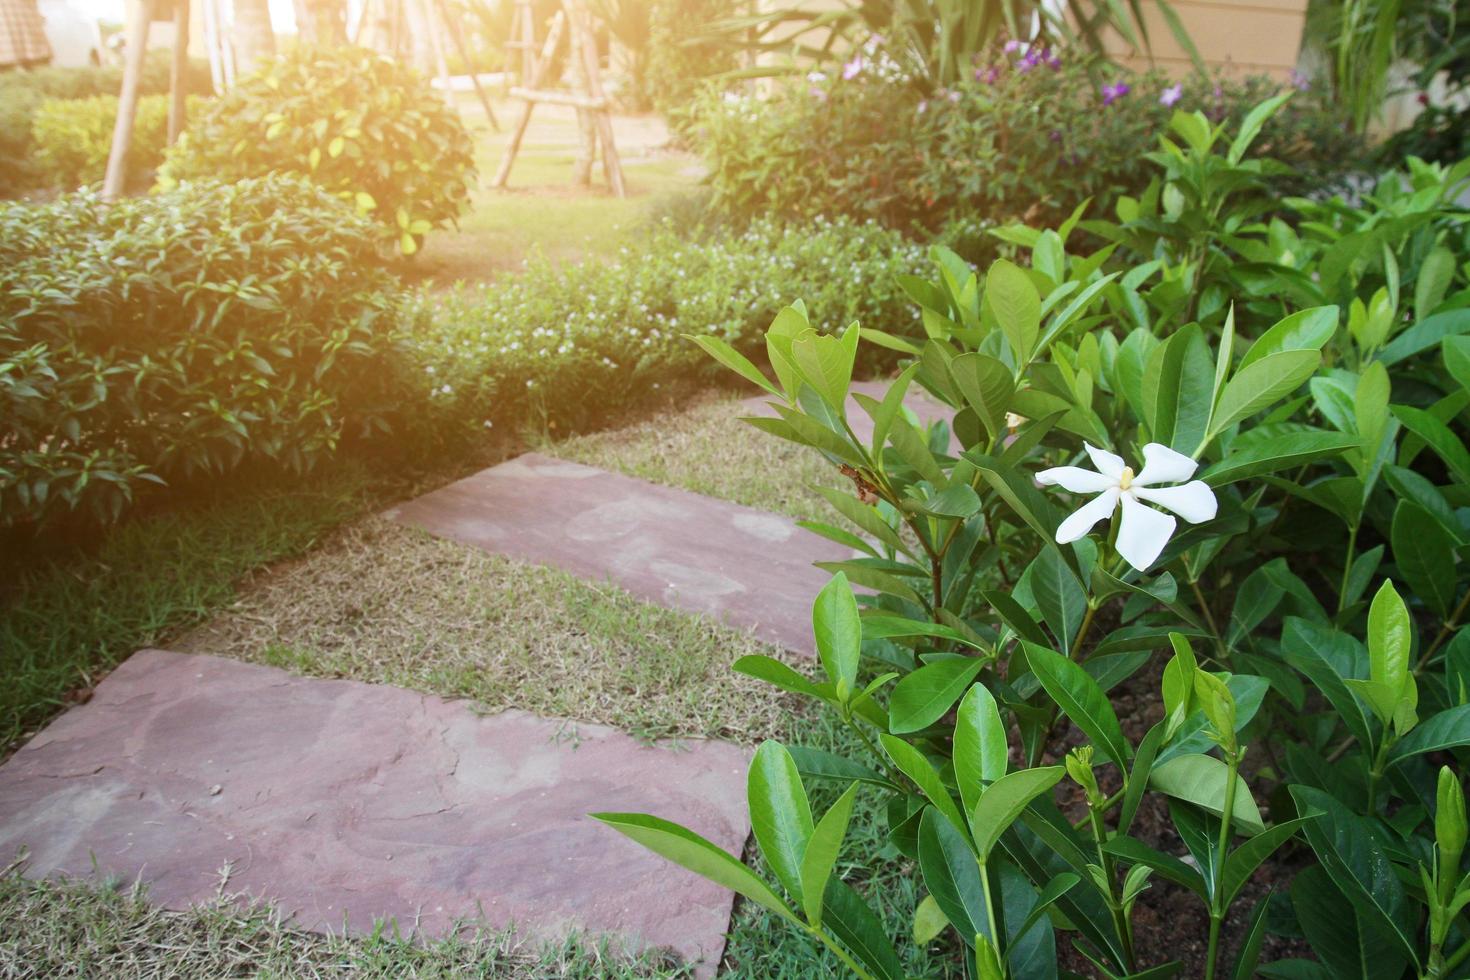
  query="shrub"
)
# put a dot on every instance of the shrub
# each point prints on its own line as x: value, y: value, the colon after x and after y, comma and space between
x: 177, y: 337
x: 562, y: 346
x: 1028, y: 137
x: 23, y: 92
x: 1268, y: 547
x: 367, y: 129
x: 74, y: 136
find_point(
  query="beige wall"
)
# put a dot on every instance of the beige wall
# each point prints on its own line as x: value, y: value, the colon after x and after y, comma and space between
x: 1239, y: 36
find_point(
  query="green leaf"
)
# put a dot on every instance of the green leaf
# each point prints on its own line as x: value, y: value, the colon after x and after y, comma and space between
x: 1245, y: 859
x: 1017, y: 306
x: 1425, y: 555
x: 1357, y: 864
x: 1200, y: 780
x: 826, y: 364
x: 1176, y: 388
x: 1250, y: 127
x: 987, y: 385
x: 1445, y: 730
x: 839, y: 634
x: 911, y: 762
x: 1349, y: 942
x: 779, y: 813
x: 1136, y: 851
x: 980, y: 745
x: 1255, y: 935
x: 929, y: 921
x: 1390, y: 644
x: 848, y: 918
x: 1425, y: 335
x: 689, y: 850
x: 1304, y: 330
x: 821, y: 854
x: 921, y: 698
x: 951, y: 875
x: 773, y: 671
x: 1286, y: 450
x: 1261, y: 385
x: 1002, y: 802
x: 734, y: 360
x: 1059, y: 595
x: 1436, y: 273
x: 1081, y: 700
x: 1438, y: 436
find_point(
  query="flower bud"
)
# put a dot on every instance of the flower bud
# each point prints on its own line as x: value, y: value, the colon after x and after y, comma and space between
x: 1449, y: 821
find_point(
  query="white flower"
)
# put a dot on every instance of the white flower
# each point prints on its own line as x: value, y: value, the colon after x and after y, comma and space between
x: 1144, y: 531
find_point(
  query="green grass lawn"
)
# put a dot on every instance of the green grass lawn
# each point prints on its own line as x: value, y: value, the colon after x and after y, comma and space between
x: 541, y: 211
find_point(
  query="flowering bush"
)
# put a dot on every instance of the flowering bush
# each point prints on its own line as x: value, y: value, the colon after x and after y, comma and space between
x: 511, y: 351
x: 140, y: 346
x: 361, y: 125
x: 1029, y: 136
x: 997, y: 612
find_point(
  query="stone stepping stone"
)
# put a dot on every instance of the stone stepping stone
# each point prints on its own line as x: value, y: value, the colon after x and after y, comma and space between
x: 748, y: 568
x: 925, y: 407
x: 346, y: 802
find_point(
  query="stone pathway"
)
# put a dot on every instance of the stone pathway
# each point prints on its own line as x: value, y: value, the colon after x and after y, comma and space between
x: 748, y: 568
x: 345, y: 802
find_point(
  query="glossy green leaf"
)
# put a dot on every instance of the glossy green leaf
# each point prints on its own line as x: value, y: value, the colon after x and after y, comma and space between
x: 689, y: 850
x: 1081, y: 700
x: 921, y: 698
x: 839, y: 633
x: 1003, y: 800
x: 1201, y: 780
x: 821, y: 852
x: 981, y: 749
x: 779, y: 813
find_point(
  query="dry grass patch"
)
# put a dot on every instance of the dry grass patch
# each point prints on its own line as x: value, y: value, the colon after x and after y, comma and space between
x: 707, y: 449
x: 387, y: 604
x: 90, y: 928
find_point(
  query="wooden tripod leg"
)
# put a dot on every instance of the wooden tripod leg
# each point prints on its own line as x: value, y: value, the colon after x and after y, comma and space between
x: 612, y: 167
x: 451, y: 25
x: 553, y: 37
x: 177, y: 106
x: 127, y: 102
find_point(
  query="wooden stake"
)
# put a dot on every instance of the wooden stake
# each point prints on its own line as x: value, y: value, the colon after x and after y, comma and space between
x: 612, y: 167
x: 452, y: 25
x: 178, y: 108
x: 436, y: 44
x: 538, y: 68
x: 127, y: 101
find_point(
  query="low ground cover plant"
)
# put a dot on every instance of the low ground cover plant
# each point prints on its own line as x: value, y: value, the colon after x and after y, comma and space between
x: 73, y: 138
x: 1029, y: 135
x: 23, y: 92
x: 511, y: 353
x: 180, y: 336
x: 362, y: 126
x: 1255, y: 515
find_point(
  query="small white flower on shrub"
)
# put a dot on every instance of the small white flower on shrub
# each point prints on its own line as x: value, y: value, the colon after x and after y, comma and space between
x: 1144, y: 531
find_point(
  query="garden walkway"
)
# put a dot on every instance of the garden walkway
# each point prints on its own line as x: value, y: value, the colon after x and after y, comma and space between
x: 344, y: 802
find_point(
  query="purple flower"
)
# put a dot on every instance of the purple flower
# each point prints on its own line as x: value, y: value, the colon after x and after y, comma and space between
x: 1171, y: 95
x: 852, y: 69
x: 1012, y: 46
x: 1112, y: 93
x: 1301, y: 81
x: 1030, y: 61
x: 1053, y: 61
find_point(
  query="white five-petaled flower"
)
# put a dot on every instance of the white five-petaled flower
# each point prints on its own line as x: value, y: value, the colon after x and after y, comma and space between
x: 1144, y: 531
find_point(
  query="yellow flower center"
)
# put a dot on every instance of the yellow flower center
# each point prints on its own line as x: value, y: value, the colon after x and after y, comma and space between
x: 1126, y: 480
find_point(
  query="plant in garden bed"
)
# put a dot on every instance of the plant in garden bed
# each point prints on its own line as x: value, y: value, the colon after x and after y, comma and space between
x: 141, y: 345
x: 988, y: 618
x: 359, y: 124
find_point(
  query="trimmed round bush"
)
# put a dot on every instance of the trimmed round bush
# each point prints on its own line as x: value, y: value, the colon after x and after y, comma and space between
x: 367, y: 129
x: 173, y: 338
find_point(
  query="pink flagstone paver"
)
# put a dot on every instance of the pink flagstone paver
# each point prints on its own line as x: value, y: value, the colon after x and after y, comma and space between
x: 347, y: 802
x: 749, y: 568
x: 925, y: 407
